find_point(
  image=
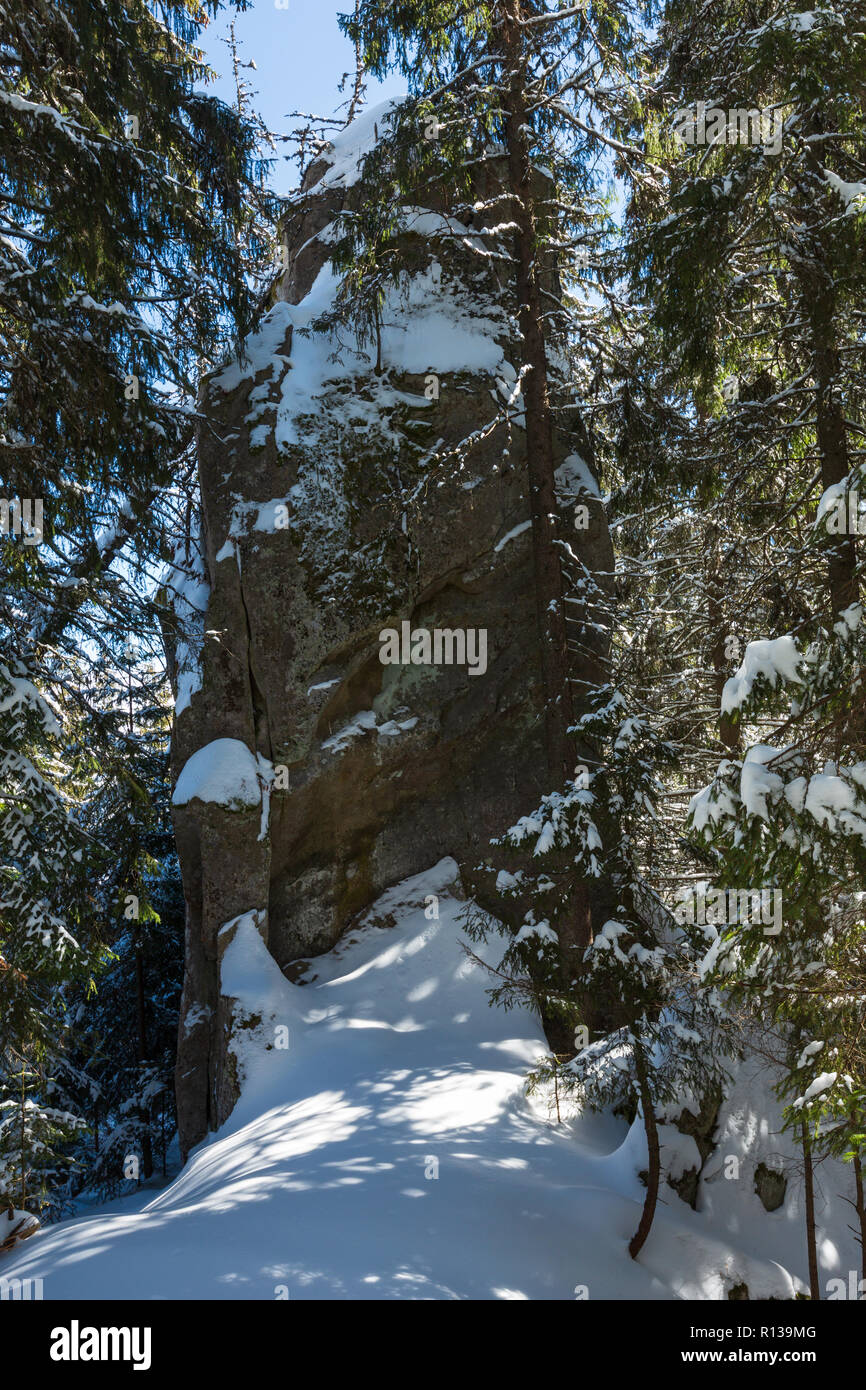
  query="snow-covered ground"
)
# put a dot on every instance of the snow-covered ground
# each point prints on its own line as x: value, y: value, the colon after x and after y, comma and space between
x: 390, y: 1152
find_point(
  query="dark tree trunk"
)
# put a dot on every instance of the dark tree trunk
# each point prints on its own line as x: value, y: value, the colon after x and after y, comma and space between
x: 728, y: 731
x: 842, y: 577
x: 811, y: 1243
x: 860, y: 1208
x: 575, y: 933
x: 539, y: 423
x: 638, y: 1240
x: 22, y: 1138
x: 820, y: 311
x: 833, y: 446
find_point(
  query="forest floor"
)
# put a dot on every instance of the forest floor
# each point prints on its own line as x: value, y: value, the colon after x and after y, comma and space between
x: 390, y: 1152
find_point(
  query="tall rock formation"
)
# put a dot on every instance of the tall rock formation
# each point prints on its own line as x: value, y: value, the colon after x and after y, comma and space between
x: 343, y: 495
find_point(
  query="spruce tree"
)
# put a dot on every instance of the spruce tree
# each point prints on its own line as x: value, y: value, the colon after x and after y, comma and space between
x: 518, y: 126
x: 754, y: 271
x: 133, y: 215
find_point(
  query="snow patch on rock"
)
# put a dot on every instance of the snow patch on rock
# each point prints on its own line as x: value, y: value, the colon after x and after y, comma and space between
x: 224, y: 772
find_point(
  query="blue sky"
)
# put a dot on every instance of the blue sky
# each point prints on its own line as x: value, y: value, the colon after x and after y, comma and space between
x: 300, y: 58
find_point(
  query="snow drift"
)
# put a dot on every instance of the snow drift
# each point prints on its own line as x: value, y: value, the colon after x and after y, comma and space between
x: 383, y: 1148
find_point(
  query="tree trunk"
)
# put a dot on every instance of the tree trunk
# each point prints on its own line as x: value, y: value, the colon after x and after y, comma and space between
x: 539, y: 424
x: 860, y: 1208
x: 818, y: 299
x: 833, y: 447
x: 23, y: 1113
x: 811, y: 1244
x: 575, y: 932
x: 842, y: 578
x: 638, y: 1240
x: 728, y: 732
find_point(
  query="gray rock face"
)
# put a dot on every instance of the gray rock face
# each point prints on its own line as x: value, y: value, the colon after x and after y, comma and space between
x: 771, y: 1185
x: 339, y: 501
x: 701, y: 1127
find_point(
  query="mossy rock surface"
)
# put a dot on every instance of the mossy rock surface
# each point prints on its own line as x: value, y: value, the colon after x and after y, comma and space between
x: 771, y: 1185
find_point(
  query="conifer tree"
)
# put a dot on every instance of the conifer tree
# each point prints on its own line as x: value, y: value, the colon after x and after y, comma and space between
x: 755, y: 275
x: 128, y: 238
x: 522, y: 102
